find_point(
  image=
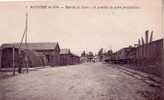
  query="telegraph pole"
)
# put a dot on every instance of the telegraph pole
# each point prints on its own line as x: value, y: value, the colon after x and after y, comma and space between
x: 26, y: 44
x: 25, y: 57
x: 14, y: 60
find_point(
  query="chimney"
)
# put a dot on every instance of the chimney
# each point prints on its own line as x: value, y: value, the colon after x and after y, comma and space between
x: 146, y: 36
x: 151, y: 37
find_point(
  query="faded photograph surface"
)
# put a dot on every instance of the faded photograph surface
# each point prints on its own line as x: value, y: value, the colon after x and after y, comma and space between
x: 81, y: 50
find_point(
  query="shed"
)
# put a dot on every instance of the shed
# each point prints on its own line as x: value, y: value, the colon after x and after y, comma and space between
x: 38, y: 53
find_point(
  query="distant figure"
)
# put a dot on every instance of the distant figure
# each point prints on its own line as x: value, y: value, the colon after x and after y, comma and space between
x: 19, y: 69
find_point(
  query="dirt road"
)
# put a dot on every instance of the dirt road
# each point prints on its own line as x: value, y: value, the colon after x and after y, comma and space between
x: 90, y: 81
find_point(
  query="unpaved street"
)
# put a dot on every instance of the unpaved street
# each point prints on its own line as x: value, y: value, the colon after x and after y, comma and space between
x: 90, y: 81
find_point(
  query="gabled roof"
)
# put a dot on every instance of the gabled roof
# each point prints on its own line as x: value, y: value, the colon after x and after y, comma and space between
x: 65, y: 51
x: 33, y: 46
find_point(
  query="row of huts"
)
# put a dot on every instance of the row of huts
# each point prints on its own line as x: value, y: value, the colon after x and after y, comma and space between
x: 35, y: 55
x: 149, y: 53
x: 147, y: 56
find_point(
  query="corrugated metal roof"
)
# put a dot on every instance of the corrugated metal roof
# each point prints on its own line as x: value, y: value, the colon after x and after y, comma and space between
x: 33, y: 46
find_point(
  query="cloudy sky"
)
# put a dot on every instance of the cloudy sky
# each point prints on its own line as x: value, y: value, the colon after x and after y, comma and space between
x: 81, y: 29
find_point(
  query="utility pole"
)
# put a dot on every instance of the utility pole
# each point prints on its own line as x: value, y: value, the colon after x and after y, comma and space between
x: 25, y: 57
x: 14, y: 60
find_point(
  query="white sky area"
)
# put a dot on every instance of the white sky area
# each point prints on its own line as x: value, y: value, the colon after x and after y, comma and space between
x: 82, y: 29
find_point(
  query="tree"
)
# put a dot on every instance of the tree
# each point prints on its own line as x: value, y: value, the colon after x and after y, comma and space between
x: 109, y: 52
x: 100, y: 54
x: 90, y: 55
x: 83, y: 54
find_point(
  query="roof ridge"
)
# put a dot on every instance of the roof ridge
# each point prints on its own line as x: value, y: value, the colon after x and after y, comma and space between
x: 34, y: 46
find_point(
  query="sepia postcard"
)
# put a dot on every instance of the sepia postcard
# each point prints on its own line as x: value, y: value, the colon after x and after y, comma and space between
x: 81, y: 50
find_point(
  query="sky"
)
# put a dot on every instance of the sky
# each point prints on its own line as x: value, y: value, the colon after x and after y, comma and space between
x: 81, y: 29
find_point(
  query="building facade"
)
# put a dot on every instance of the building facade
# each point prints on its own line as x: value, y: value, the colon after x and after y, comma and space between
x: 67, y: 58
x: 75, y: 59
x: 38, y: 54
